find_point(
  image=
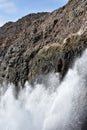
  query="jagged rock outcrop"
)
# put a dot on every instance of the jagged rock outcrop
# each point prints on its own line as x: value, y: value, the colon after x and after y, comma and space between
x: 43, y: 42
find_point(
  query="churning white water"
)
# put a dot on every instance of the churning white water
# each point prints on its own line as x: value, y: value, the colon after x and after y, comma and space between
x: 49, y: 106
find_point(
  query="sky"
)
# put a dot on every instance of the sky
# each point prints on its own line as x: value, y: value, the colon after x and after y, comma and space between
x: 12, y: 10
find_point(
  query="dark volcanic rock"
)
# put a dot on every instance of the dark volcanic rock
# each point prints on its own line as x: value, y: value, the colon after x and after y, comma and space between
x: 43, y: 42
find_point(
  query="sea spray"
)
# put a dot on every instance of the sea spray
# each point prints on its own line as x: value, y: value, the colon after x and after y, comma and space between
x: 48, y: 106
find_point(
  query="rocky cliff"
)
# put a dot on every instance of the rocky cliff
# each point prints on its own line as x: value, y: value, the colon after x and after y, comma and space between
x: 40, y: 43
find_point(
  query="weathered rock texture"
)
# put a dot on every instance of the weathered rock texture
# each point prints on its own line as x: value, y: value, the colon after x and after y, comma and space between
x: 43, y: 42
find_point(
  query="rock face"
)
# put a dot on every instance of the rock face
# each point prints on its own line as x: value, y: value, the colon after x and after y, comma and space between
x: 43, y: 42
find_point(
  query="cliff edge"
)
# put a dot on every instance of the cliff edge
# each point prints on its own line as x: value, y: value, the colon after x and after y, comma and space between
x: 40, y: 43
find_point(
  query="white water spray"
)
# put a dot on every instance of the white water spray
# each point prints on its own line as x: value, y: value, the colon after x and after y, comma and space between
x: 59, y: 107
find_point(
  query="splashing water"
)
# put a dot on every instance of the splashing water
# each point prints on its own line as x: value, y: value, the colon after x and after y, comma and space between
x: 59, y: 107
